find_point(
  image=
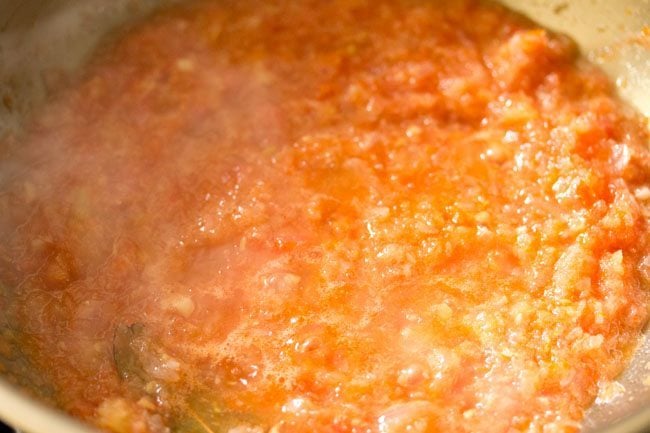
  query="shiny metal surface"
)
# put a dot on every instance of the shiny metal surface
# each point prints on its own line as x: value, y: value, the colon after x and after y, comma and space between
x: 43, y: 43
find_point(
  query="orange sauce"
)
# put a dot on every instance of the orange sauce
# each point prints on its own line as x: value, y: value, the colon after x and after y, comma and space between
x: 345, y: 216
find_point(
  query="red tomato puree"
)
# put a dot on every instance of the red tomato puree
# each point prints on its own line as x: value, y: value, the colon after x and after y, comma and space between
x: 345, y: 216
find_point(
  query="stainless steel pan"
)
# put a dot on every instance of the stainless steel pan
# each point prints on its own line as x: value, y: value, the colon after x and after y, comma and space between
x: 41, y: 42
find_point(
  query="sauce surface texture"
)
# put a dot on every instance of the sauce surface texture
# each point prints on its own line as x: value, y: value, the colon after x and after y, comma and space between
x: 343, y: 216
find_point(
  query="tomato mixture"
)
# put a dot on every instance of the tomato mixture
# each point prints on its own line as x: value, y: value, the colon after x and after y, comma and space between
x: 347, y: 216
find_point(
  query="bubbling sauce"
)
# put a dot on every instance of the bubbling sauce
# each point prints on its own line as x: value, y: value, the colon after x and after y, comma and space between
x: 344, y: 216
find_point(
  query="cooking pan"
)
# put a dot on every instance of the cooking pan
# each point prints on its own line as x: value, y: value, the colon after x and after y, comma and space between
x: 43, y: 44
